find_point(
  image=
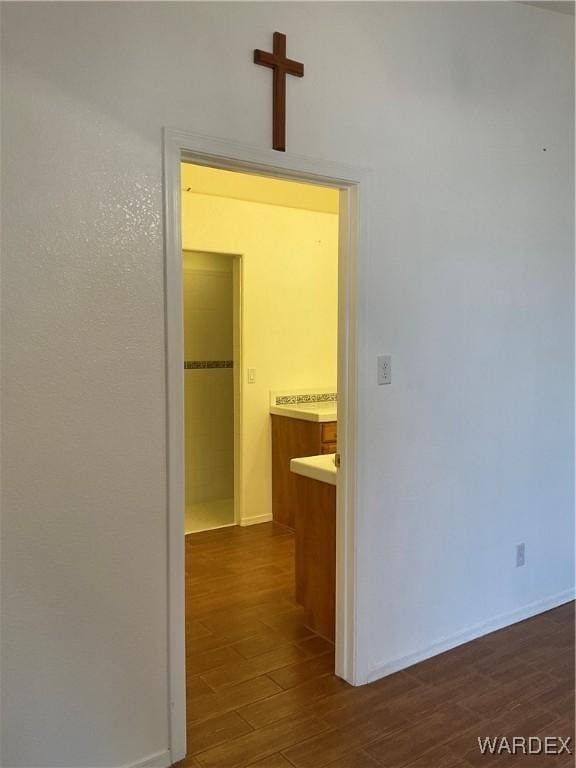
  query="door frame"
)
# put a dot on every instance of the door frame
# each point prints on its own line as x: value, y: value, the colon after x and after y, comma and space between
x: 352, y: 242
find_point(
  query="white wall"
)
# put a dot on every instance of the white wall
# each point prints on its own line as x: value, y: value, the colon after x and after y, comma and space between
x: 468, y: 282
x: 289, y: 306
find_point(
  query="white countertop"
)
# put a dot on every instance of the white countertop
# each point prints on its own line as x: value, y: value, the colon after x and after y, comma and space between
x: 320, y: 468
x: 322, y: 411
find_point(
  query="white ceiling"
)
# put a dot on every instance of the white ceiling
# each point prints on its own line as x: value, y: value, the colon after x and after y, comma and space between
x: 564, y: 6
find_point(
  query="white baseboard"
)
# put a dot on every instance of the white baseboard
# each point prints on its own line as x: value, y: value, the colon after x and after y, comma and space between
x: 472, y: 633
x: 157, y: 760
x: 255, y: 520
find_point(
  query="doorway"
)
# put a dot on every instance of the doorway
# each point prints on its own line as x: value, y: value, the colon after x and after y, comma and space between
x: 224, y: 155
x: 211, y: 334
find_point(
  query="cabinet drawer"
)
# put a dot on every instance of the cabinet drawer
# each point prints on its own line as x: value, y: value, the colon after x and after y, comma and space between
x: 329, y: 432
x: 328, y: 448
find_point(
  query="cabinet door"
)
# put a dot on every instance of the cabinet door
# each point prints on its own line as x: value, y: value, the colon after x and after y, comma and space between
x: 316, y: 555
x: 291, y: 439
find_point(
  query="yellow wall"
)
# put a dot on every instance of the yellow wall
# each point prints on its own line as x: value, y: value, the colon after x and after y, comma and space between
x: 289, y: 312
x: 258, y: 189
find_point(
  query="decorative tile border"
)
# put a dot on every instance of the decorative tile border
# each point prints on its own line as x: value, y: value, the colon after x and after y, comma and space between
x: 329, y: 397
x: 201, y: 365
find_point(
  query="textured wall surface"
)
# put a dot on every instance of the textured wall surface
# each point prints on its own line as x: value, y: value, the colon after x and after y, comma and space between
x: 468, y: 283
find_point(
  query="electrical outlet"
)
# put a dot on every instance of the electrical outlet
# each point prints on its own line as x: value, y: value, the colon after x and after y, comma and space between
x: 520, y: 555
x: 384, y: 366
x: 251, y: 375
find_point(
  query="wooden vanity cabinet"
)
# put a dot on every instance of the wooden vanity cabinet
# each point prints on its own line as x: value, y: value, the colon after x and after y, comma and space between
x: 315, y: 555
x: 292, y: 439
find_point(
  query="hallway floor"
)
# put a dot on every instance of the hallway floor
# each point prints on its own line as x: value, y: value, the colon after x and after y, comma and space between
x: 261, y: 692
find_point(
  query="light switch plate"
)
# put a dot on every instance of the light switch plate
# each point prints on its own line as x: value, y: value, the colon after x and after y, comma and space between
x: 384, y: 363
x: 251, y: 375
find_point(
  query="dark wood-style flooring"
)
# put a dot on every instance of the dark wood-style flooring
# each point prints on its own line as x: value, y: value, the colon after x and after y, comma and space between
x: 261, y: 692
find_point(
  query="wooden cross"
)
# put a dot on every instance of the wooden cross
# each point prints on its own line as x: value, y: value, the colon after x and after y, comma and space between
x: 282, y: 66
